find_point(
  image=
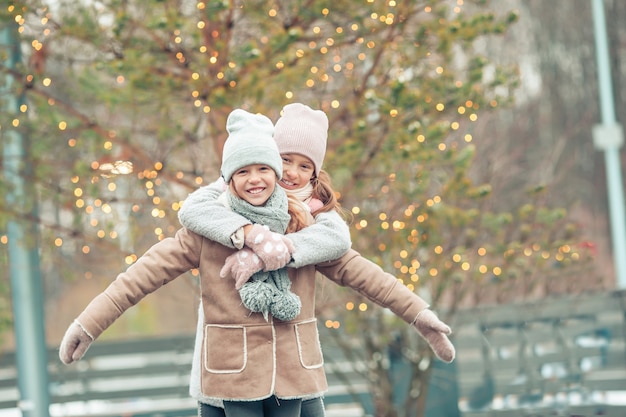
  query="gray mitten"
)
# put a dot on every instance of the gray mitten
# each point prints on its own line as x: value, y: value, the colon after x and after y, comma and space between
x: 74, y: 344
x: 273, y: 248
x: 436, y: 334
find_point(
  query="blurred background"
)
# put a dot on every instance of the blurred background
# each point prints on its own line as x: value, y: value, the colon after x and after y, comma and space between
x: 461, y: 144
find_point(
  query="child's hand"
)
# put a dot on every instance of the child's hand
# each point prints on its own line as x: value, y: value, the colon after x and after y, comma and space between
x: 241, y: 265
x: 436, y: 334
x: 74, y: 344
x: 274, y: 249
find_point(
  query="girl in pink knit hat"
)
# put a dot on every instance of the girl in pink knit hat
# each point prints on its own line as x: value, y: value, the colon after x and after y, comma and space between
x: 301, y: 135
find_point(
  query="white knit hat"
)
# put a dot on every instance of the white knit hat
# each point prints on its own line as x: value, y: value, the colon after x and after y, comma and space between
x: 250, y: 141
x: 304, y: 131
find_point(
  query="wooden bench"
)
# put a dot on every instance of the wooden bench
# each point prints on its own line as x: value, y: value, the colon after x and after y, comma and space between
x: 139, y: 378
x: 561, y: 356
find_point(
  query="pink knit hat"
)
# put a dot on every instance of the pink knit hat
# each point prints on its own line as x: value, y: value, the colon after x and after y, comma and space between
x: 304, y: 131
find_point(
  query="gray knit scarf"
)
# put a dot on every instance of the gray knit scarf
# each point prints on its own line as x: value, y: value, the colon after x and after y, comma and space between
x: 268, y: 292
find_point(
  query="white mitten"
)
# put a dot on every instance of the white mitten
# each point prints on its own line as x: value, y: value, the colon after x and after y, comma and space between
x: 241, y: 265
x: 273, y: 248
x: 436, y: 334
x: 74, y: 344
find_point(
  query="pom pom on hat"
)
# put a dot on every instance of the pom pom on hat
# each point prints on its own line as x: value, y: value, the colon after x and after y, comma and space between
x: 304, y: 131
x: 250, y: 141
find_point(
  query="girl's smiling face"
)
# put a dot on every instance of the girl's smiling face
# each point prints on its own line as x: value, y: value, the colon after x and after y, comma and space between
x: 254, y: 183
x: 297, y: 171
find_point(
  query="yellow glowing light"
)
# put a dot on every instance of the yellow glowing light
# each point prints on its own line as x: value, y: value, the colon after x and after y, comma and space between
x: 86, y: 249
x: 481, y: 251
x: 78, y: 192
x: 497, y: 271
x: 363, y: 307
x: 356, y: 210
x: 473, y: 117
x: 58, y: 242
x: 468, y: 138
x: 100, y: 234
x: 433, y: 272
x: 349, y: 306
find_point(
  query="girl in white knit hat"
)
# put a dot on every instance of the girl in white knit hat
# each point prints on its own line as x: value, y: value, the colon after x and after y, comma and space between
x: 243, y: 373
x: 301, y: 136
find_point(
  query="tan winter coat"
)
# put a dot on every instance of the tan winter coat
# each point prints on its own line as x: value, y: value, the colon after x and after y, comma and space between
x: 243, y: 356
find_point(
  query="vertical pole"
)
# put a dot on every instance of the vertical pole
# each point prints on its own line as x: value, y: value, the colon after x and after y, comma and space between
x: 609, y: 137
x: 26, y: 283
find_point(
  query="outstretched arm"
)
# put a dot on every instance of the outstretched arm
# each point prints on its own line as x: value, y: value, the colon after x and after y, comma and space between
x: 203, y: 214
x: 163, y: 262
x: 369, y: 280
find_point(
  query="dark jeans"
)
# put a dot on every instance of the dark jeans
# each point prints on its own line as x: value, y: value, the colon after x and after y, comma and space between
x: 310, y: 408
x: 271, y: 406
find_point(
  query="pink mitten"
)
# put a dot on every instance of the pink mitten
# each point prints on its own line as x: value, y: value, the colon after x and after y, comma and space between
x: 74, y: 344
x: 241, y: 265
x: 436, y: 334
x: 273, y: 248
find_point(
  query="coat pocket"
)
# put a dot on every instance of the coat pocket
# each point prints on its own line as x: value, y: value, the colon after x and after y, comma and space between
x: 225, y: 349
x: 309, y: 347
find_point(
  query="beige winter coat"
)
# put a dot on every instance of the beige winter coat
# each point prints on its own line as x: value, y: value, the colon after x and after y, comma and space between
x: 245, y: 357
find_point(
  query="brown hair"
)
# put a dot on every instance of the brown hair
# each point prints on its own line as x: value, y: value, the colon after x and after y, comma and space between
x: 323, y: 191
